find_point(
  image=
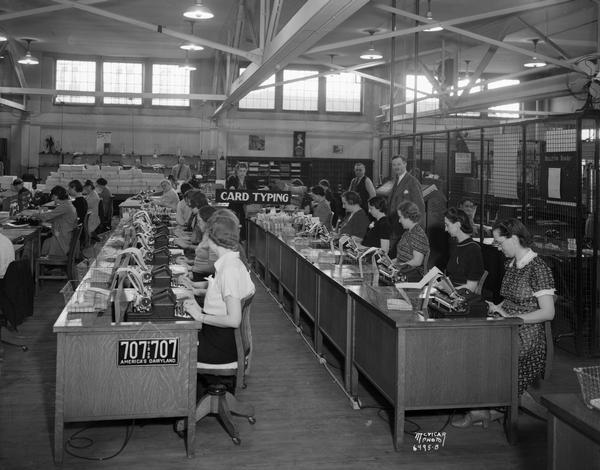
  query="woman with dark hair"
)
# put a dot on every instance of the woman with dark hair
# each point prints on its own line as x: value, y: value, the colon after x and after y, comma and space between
x: 63, y: 219
x: 93, y: 203
x: 183, y: 211
x: 379, y: 231
x: 413, y: 247
x: 196, y: 200
x: 528, y: 291
x: 81, y: 205
x: 320, y: 207
x: 356, y: 221
x: 465, y: 266
x: 335, y: 202
x: 106, y: 196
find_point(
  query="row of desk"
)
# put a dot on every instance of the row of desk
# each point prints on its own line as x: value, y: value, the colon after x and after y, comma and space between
x: 415, y: 364
x: 91, y: 385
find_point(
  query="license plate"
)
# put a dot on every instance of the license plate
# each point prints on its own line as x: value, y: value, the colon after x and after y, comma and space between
x: 148, y: 352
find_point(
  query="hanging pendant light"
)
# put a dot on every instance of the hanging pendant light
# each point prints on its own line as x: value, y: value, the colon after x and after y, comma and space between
x: 534, y: 62
x: 190, y: 46
x: 371, y: 53
x: 3, y: 37
x: 199, y: 11
x: 28, y: 59
x: 429, y: 16
x: 187, y: 65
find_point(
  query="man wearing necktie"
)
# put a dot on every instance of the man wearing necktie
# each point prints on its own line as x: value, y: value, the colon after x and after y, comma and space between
x: 181, y: 171
x: 406, y: 188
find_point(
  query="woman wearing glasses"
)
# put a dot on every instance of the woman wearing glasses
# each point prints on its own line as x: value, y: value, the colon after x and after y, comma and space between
x: 528, y: 292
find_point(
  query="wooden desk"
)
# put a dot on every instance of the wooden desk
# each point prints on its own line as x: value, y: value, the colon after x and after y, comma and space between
x: 440, y: 364
x: 573, y: 433
x: 29, y: 237
x: 91, y: 386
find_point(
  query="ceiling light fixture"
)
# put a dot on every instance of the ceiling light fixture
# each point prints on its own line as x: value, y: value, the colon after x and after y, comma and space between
x: 429, y: 16
x: 534, y: 62
x: 3, y: 37
x: 199, y: 12
x: 28, y: 59
x: 187, y: 65
x: 371, y: 53
x: 190, y: 46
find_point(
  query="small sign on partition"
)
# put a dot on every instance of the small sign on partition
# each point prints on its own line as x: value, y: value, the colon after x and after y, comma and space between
x: 253, y: 197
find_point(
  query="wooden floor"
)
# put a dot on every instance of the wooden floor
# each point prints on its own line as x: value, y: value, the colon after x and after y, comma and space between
x: 304, y: 420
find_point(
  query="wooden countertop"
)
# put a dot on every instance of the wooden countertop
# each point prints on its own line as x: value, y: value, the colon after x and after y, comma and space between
x: 570, y: 408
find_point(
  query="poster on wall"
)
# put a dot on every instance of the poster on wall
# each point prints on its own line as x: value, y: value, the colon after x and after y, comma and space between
x: 103, y: 140
x: 256, y: 142
x: 337, y: 149
x: 299, y: 143
x: 462, y: 163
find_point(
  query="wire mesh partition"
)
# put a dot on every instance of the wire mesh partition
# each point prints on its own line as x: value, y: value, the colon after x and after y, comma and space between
x: 543, y: 172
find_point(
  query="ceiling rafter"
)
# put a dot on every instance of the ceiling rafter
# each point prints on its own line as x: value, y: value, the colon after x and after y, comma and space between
x: 484, y: 39
x: 546, y: 38
x: 160, y: 29
x: 42, y: 10
x: 428, y: 24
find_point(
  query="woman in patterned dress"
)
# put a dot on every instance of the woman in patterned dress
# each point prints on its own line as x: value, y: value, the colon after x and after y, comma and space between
x: 413, y: 247
x: 528, y: 292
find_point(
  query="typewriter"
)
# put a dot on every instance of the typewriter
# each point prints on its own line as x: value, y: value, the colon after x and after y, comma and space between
x: 446, y: 301
x: 389, y: 274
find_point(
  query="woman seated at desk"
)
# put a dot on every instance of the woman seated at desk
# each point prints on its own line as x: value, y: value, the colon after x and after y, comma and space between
x: 413, y: 247
x: 169, y: 197
x: 184, y: 211
x: 528, y: 291
x: 465, y: 266
x: 320, y: 207
x: 189, y: 237
x: 222, y: 311
x: 356, y: 221
x: 378, y: 231
x: 63, y: 219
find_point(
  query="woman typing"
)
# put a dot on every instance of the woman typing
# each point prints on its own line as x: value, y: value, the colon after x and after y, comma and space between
x: 465, y: 266
x: 63, y: 219
x: 222, y: 310
x: 528, y: 291
x: 356, y: 221
x: 378, y: 232
x: 413, y: 247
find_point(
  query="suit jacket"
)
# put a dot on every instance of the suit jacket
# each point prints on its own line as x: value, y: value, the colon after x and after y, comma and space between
x: 409, y: 189
x: 181, y: 172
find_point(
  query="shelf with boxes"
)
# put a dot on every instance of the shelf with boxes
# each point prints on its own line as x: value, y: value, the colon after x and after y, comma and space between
x: 267, y: 171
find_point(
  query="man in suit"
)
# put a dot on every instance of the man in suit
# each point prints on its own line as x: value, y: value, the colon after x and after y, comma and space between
x: 406, y: 188
x: 181, y: 171
x: 362, y: 185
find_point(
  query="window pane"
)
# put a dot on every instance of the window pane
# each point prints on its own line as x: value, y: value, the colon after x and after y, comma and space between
x: 122, y: 77
x: 424, y: 87
x: 259, y: 99
x: 76, y: 75
x: 343, y: 92
x: 302, y: 95
x: 505, y: 107
x: 170, y: 79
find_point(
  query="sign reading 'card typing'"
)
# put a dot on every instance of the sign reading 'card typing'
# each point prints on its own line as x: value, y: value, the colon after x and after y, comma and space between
x: 253, y: 197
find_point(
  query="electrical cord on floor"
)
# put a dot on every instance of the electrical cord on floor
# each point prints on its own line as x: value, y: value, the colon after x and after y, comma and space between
x: 380, y: 409
x: 88, y: 442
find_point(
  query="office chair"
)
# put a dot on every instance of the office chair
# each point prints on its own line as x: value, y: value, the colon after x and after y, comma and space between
x: 66, y: 262
x: 479, y: 288
x: 218, y: 400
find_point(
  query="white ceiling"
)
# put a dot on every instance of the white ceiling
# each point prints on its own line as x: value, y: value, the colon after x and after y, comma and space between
x: 572, y: 26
